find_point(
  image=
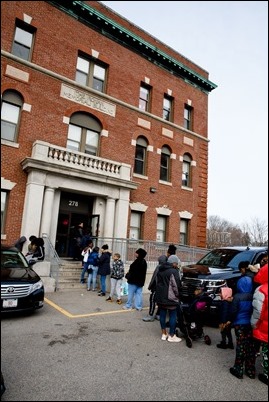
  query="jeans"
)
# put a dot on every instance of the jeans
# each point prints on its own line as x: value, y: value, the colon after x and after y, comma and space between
x: 83, y: 272
x: 134, y: 293
x: 92, y: 277
x: 103, y: 283
x: 172, y: 320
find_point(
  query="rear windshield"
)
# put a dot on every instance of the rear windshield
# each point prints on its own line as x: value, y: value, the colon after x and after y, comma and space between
x: 12, y: 259
x: 223, y: 258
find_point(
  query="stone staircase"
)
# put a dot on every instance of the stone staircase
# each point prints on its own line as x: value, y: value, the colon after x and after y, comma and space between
x: 69, y: 274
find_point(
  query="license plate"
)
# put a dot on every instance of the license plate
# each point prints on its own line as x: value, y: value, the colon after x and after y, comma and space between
x: 10, y: 303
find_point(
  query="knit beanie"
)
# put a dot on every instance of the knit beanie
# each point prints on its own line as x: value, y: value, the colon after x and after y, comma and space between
x: 173, y: 259
x: 141, y: 253
x: 162, y: 259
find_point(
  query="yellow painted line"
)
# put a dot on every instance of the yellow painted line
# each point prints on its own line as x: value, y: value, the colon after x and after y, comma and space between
x: 69, y: 315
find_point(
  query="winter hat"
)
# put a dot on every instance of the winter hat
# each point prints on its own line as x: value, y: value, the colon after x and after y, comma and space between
x: 162, y: 259
x: 105, y: 247
x: 141, y: 253
x: 173, y: 259
x: 172, y: 249
x: 226, y: 293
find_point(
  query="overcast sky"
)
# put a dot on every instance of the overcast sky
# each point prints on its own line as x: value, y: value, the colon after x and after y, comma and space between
x: 229, y: 39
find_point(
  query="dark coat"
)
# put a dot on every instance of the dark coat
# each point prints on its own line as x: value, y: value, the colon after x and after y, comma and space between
x: 137, y: 272
x: 104, y: 263
x: 168, y: 285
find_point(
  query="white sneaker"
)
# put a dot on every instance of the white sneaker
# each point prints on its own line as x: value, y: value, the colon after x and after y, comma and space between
x: 174, y: 339
x: 164, y: 337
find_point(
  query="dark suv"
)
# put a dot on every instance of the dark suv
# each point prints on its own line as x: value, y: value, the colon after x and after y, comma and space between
x: 216, y: 269
x: 21, y: 287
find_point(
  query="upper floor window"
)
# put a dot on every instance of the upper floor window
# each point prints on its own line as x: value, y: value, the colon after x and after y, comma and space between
x: 23, y: 40
x: 184, y: 231
x: 161, y: 228
x: 83, y: 134
x: 4, y: 197
x: 91, y: 73
x: 186, y: 171
x: 165, y: 164
x: 12, y: 103
x: 140, y: 156
x: 135, y: 225
x: 188, y: 115
x: 144, y: 97
x: 167, y: 108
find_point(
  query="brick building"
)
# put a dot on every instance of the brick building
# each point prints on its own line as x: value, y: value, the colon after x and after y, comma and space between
x: 101, y: 123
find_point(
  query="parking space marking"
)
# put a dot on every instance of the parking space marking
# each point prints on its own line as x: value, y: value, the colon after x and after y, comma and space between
x: 69, y: 315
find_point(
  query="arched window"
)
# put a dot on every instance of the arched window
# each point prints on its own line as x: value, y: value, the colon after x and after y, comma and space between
x: 186, y: 170
x: 12, y: 103
x: 140, y: 156
x: 84, y: 133
x: 165, y: 164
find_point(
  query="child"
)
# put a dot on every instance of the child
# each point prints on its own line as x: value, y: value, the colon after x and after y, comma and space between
x: 225, y: 319
x: 117, y: 273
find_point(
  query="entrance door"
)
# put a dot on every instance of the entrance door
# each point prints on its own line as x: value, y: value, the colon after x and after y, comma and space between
x: 67, y: 221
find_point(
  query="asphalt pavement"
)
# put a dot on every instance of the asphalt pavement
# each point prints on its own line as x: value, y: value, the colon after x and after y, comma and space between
x: 79, y: 347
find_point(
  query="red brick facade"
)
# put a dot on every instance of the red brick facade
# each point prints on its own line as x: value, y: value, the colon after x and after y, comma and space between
x: 58, y: 39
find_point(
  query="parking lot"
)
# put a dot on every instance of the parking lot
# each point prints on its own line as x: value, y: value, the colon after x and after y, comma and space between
x: 79, y: 347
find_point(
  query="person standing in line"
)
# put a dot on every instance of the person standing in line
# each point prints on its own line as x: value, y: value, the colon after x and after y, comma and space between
x: 241, y: 312
x: 117, y: 273
x: 152, y: 288
x: 167, y: 296
x: 85, y: 254
x: 225, y: 319
x: 136, y: 277
x: 259, y: 318
x: 104, y: 268
x: 93, y: 259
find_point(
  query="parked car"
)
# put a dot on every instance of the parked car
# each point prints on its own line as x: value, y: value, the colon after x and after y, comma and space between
x: 218, y: 268
x: 21, y: 287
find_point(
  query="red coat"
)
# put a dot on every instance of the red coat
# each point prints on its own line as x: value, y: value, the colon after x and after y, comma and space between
x: 259, y: 319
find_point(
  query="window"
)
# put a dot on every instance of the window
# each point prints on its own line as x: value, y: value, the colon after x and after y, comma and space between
x: 91, y: 74
x: 144, y: 98
x: 161, y: 228
x: 10, y: 115
x: 188, y: 117
x: 140, y: 156
x: 83, y: 134
x: 186, y: 171
x: 135, y: 225
x: 165, y: 164
x: 23, y: 40
x: 184, y: 227
x: 167, y: 108
x: 4, y: 197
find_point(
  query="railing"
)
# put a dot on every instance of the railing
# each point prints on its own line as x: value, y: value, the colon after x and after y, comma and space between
x: 52, y: 256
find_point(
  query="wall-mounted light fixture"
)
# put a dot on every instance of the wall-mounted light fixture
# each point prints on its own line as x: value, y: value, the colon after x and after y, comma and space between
x: 153, y: 189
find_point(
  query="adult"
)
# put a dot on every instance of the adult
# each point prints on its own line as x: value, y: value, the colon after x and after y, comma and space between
x: 136, y: 277
x: 259, y: 318
x: 104, y: 268
x: 167, y: 296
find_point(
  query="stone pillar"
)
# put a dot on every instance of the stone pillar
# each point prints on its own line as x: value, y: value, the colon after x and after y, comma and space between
x: 47, y: 211
x: 109, y: 217
x: 121, y: 215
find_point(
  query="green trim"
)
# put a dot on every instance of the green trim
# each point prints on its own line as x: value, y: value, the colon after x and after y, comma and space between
x: 109, y: 28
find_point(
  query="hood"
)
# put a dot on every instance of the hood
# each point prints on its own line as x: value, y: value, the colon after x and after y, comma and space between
x: 226, y: 293
x: 262, y: 276
x: 244, y: 284
x: 162, y: 259
x: 141, y: 253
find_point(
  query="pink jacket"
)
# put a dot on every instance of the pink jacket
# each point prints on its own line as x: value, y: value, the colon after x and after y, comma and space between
x: 259, y: 319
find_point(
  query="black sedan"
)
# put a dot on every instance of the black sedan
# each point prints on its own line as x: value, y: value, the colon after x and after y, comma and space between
x: 21, y: 287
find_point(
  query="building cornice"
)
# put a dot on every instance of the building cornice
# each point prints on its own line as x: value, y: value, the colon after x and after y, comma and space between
x: 88, y: 15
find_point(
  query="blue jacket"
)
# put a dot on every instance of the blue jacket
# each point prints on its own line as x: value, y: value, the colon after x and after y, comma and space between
x: 241, y: 309
x: 93, y: 258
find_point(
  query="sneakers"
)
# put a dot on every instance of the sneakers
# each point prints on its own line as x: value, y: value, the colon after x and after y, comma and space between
x: 109, y: 299
x: 119, y: 301
x: 101, y: 294
x: 148, y: 318
x: 139, y: 309
x: 127, y: 308
x: 250, y: 374
x: 174, y: 338
x: 263, y: 378
x: 157, y: 317
x: 164, y: 337
x: 230, y: 346
x: 222, y: 345
x: 235, y: 373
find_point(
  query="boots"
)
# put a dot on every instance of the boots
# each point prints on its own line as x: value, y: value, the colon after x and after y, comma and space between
x: 222, y: 345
